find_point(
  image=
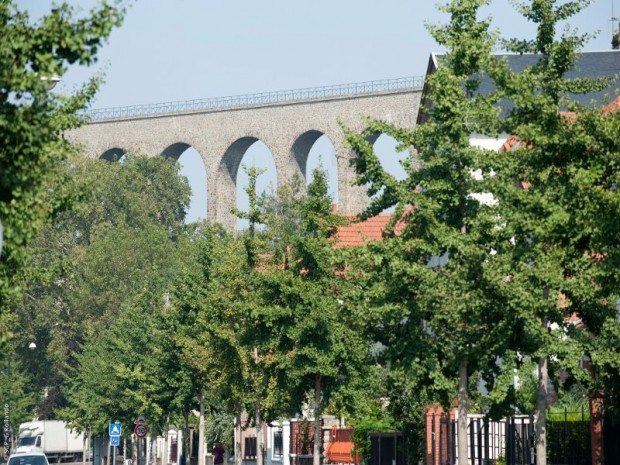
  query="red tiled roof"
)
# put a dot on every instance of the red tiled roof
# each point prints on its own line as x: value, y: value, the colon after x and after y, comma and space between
x: 359, y: 233
x: 372, y: 229
x: 613, y: 106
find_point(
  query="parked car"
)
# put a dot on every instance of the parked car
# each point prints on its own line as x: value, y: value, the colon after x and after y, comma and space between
x: 30, y: 458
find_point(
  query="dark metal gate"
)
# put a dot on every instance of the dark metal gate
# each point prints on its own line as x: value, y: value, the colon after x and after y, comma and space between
x: 387, y: 449
x: 520, y: 445
x: 611, y: 444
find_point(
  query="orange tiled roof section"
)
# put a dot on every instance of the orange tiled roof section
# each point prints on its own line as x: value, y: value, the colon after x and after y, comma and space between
x: 612, y: 107
x: 358, y: 233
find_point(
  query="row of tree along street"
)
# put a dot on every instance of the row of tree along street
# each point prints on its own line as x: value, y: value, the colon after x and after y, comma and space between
x: 134, y: 311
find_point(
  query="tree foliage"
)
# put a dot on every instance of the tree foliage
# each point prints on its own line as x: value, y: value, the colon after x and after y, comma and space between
x: 435, y: 283
x: 565, y: 169
x: 481, y: 269
x: 32, y: 119
x: 121, y: 228
x: 308, y: 309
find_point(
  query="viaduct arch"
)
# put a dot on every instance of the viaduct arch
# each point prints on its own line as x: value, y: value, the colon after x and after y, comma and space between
x: 221, y: 131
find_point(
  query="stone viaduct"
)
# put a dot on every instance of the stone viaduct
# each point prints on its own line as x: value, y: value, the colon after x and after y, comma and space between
x: 221, y: 130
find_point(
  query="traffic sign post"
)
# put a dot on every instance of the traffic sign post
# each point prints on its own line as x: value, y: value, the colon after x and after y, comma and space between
x: 114, y: 429
x: 141, y: 431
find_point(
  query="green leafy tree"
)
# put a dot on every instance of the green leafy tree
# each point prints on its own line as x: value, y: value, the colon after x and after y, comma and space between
x: 436, y: 282
x: 32, y: 120
x: 539, y: 254
x: 213, y: 310
x: 17, y: 399
x: 122, y: 225
x: 118, y: 374
x: 305, y: 312
x: 210, y: 306
x: 551, y: 190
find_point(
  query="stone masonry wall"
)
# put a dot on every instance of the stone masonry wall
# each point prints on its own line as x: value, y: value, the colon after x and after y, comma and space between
x: 222, y: 136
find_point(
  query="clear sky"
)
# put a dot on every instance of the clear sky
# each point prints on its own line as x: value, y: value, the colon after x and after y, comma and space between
x: 169, y: 50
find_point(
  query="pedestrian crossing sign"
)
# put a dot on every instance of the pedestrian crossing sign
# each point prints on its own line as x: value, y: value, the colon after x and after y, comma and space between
x: 115, y: 429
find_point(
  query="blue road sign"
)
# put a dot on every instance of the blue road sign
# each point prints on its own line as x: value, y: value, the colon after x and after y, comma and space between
x: 115, y: 440
x: 115, y: 429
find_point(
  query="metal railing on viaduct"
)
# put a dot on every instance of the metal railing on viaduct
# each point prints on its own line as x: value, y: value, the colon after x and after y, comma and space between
x: 311, y: 93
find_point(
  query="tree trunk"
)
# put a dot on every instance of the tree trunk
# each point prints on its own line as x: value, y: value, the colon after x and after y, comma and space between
x: 316, y: 451
x: 201, y: 429
x: 186, y: 450
x: 259, y: 434
x: 463, y: 400
x: 238, y: 458
x: 191, y: 448
x: 541, y: 419
x: 84, y: 448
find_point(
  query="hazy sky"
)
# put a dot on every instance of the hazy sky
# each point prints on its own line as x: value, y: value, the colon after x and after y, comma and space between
x: 170, y: 50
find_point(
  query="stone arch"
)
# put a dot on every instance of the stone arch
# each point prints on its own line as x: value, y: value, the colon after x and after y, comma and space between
x: 305, y: 150
x: 371, y: 136
x: 175, y: 150
x: 234, y: 154
x: 228, y: 177
x: 192, y: 166
x: 113, y: 154
x: 301, y: 149
x: 386, y: 152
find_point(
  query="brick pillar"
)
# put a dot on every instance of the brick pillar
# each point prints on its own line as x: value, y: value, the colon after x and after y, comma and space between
x: 432, y: 430
x: 596, y: 427
x: 437, y: 448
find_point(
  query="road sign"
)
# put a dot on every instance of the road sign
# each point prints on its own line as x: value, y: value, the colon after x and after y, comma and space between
x: 115, y: 429
x: 141, y: 431
x: 115, y: 440
x: 141, y: 420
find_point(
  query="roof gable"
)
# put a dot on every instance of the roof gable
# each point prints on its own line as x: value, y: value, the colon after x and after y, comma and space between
x: 589, y: 65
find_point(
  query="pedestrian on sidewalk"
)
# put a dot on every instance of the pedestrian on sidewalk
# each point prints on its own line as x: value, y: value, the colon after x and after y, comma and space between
x: 218, y: 453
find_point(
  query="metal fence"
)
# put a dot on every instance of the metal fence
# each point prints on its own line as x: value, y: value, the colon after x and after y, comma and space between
x: 511, y: 441
x: 387, y: 449
x: 311, y: 93
x: 611, y: 433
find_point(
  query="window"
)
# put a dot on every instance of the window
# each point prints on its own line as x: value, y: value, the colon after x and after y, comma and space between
x: 26, y: 441
x: 249, y: 451
x: 277, y: 443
